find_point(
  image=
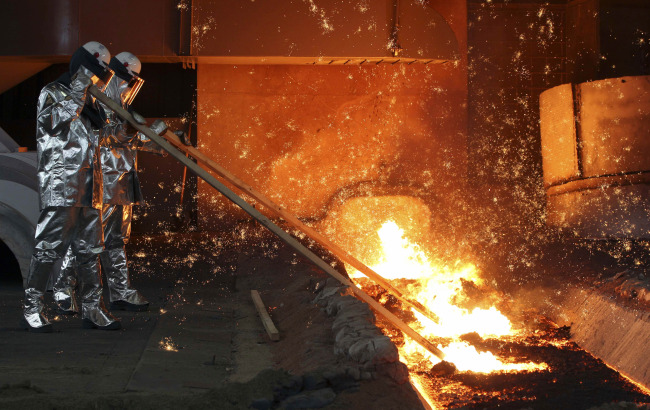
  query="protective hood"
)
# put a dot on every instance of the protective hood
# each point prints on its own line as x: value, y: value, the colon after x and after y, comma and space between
x: 129, y: 84
x: 120, y: 71
x: 80, y: 58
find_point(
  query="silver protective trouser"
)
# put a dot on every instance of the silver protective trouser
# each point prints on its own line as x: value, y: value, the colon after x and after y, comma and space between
x: 65, y: 283
x: 117, y: 230
x: 116, y: 220
x: 60, y: 227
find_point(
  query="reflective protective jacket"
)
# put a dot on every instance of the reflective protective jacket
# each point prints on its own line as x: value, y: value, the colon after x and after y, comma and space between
x: 69, y: 173
x: 119, y: 154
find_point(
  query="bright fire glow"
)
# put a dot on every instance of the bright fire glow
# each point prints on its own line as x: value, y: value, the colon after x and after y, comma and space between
x: 417, y: 383
x: 439, y: 289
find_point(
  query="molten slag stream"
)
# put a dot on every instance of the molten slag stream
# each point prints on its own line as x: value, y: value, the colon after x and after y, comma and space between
x: 437, y: 288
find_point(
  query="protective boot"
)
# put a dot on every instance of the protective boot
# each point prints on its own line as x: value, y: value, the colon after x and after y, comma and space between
x: 64, y: 286
x: 39, y: 272
x: 122, y: 295
x: 93, y: 312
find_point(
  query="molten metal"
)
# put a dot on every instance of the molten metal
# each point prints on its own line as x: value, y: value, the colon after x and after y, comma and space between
x: 440, y: 288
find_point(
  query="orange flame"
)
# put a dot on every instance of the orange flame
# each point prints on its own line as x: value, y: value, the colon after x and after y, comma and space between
x: 438, y: 288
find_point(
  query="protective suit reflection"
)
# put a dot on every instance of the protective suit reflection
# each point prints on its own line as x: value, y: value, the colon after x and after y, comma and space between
x: 70, y: 187
x: 119, y: 145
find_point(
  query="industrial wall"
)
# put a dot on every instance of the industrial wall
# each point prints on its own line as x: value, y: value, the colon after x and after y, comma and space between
x: 307, y: 135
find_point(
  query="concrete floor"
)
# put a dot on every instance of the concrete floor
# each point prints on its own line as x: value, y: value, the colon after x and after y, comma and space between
x: 220, y: 355
x: 213, y: 333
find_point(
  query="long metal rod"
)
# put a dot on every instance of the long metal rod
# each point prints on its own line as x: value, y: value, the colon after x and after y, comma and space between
x: 298, y: 224
x: 267, y: 223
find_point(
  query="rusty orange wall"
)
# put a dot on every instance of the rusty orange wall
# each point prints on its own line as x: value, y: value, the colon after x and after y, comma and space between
x: 301, y: 134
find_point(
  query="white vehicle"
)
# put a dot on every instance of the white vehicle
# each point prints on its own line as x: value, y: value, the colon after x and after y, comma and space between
x: 18, y: 200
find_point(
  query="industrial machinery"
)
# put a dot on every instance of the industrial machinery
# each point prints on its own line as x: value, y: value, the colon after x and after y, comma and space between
x: 18, y: 200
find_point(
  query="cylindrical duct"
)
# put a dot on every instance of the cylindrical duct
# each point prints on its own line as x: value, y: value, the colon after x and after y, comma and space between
x: 596, y: 157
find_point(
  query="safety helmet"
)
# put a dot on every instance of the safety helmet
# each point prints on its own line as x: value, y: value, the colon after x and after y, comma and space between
x: 94, y: 58
x: 98, y: 51
x: 127, y: 67
x: 130, y: 62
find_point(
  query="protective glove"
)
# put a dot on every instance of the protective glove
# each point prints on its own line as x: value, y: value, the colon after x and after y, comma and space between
x: 130, y: 129
x: 159, y: 127
x: 80, y: 82
x: 138, y: 118
x: 183, y: 137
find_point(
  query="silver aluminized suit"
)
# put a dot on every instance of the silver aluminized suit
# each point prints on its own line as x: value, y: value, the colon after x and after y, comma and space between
x: 121, y: 191
x: 70, y: 187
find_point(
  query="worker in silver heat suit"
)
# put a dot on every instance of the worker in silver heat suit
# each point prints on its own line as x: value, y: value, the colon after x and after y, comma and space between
x: 119, y: 146
x: 70, y: 187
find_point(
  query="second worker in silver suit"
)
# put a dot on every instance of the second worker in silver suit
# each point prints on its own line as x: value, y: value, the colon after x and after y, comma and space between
x: 121, y: 190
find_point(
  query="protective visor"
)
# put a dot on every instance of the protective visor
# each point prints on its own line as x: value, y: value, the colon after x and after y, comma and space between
x: 135, y: 83
x: 103, y: 79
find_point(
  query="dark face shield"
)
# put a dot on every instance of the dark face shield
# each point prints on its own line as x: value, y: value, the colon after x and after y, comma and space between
x: 135, y: 83
x: 102, y: 79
